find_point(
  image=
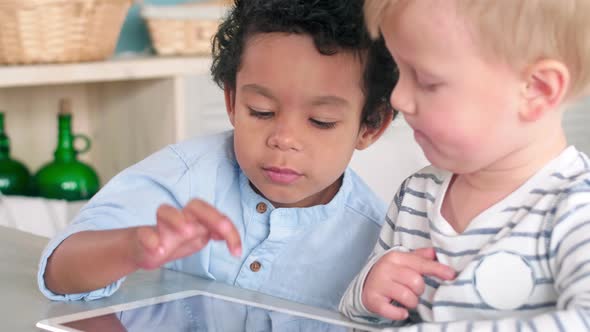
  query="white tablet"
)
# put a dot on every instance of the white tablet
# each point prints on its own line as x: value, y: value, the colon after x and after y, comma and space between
x: 198, y: 311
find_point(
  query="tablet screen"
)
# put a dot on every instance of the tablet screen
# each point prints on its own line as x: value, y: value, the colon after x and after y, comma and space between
x: 196, y: 312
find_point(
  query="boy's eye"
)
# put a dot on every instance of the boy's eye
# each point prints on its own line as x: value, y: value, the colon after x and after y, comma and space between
x: 260, y: 114
x: 430, y: 87
x: 268, y: 115
x: 322, y: 124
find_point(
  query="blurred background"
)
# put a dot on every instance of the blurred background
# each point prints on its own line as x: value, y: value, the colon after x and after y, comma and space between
x: 135, y: 37
x: 121, y: 80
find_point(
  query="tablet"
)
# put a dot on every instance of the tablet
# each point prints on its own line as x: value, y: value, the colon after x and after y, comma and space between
x: 195, y: 310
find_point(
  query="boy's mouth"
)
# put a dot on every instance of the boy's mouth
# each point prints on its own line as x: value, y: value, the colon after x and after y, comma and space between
x: 281, y: 175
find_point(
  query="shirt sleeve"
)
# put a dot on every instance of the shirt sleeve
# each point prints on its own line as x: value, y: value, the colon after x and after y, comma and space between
x: 351, y: 303
x: 130, y: 199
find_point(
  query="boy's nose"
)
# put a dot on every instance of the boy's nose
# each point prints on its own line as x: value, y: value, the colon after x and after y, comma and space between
x: 284, y: 139
x: 402, y: 101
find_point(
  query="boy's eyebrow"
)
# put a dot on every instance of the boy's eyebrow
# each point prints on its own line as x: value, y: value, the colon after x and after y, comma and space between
x: 320, y: 100
x: 259, y: 90
x: 331, y: 100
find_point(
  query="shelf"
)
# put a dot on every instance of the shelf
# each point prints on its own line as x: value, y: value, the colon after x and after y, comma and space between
x: 129, y: 107
x: 118, y: 69
x: 40, y: 216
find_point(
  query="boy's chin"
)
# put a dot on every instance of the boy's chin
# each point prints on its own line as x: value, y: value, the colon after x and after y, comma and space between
x: 285, y: 200
x: 288, y: 198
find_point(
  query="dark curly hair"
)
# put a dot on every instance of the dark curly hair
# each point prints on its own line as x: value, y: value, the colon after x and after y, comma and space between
x: 334, y: 25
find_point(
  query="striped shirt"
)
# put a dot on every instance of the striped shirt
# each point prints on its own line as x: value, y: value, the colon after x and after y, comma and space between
x: 522, y: 264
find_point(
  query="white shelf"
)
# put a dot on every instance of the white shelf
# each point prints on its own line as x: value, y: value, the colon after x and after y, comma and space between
x: 40, y: 216
x: 118, y: 69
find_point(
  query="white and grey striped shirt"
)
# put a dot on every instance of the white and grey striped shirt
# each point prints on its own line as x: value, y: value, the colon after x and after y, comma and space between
x: 522, y: 265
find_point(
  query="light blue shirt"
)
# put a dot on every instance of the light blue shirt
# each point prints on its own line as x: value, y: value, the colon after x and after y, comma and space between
x: 308, y: 255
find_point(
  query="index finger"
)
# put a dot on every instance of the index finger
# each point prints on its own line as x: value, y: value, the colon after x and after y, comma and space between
x: 429, y: 267
x: 217, y: 223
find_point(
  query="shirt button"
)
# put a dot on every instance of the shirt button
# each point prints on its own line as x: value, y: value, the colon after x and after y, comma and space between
x: 255, y: 266
x: 261, y: 207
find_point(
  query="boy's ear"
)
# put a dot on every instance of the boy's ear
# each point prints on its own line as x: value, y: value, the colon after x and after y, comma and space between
x: 230, y: 103
x: 368, y: 135
x: 546, y: 85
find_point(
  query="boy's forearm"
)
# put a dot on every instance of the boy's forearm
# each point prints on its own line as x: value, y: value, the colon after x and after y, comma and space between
x: 90, y: 260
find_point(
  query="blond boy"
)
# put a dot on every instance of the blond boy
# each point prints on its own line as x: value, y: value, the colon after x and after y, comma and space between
x: 495, y: 234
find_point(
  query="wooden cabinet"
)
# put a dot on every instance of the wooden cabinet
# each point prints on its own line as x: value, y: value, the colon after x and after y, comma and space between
x: 128, y: 107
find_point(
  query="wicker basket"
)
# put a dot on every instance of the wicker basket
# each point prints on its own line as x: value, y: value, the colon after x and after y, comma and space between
x: 49, y: 31
x: 184, y: 29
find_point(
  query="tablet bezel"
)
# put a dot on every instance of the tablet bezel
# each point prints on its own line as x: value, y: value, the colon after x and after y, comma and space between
x: 55, y: 324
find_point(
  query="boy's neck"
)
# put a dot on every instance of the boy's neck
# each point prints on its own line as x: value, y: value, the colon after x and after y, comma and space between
x: 469, y: 195
x: 512, y: 171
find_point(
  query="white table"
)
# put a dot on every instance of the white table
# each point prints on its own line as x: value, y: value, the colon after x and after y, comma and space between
x: 22, y: 305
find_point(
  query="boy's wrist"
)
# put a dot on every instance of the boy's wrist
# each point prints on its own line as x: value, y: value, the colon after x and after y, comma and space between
x: 132, y: 249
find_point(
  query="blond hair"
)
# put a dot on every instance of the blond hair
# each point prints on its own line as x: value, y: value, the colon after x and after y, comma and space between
x: 519, y: 31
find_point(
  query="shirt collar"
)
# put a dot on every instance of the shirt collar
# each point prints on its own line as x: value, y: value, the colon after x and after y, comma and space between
x: 297, y: 217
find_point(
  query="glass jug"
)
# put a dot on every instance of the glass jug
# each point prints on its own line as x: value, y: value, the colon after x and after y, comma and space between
x: 15, y: 178
x: 66, y: 177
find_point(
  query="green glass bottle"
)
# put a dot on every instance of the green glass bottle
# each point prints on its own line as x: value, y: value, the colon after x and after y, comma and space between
x: 66, y: 177
x: 15, y: 178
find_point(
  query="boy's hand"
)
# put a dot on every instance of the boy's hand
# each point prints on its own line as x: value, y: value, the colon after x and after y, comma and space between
x: 397, y: 276
x: 179, y: 233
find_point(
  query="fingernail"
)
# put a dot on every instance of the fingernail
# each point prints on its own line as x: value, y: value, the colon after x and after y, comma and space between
x: 237, y: 252
x: 451, y: 274
x: 406, y: 315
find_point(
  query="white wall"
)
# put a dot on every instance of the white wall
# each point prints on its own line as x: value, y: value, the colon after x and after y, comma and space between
x: 577, y: 125
x: 391, y: 159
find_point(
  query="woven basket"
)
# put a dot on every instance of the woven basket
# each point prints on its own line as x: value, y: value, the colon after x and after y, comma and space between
x: 184, y: 29
x: 56, y: 31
